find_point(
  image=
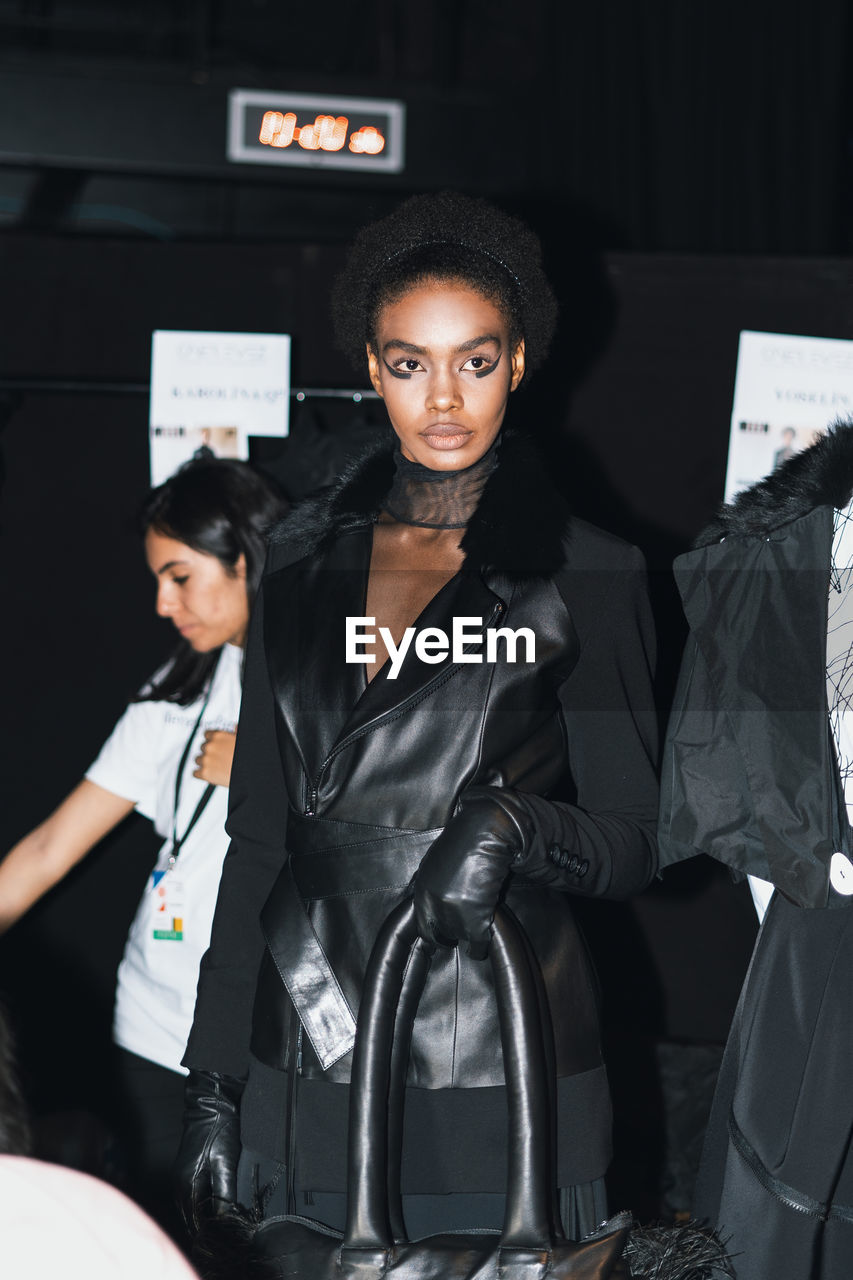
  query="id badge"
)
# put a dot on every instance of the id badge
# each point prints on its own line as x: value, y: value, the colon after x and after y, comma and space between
x: 167, y: 906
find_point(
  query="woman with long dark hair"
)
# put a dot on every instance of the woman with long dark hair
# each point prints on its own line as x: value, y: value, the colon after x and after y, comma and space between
x: 447, y: 695
x: 169, y: 757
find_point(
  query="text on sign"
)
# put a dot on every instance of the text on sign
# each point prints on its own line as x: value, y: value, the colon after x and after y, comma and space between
x: 327, y: 133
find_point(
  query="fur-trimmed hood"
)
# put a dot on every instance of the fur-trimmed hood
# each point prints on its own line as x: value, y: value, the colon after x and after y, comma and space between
x: 819, y: 476
x: 518, y: 529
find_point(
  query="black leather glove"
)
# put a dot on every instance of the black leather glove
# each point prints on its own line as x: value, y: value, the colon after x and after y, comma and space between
x: 496, y: 831
x: 459, y: 882
x: 205, y: 1171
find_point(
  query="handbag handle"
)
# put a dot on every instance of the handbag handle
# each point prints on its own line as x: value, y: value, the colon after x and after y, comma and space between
x: 395, y: 977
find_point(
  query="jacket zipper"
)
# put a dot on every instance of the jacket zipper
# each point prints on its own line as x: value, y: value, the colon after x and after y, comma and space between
x: 313, y: 792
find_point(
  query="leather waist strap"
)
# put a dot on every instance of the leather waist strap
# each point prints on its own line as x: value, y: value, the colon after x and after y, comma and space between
x: 329, y: 857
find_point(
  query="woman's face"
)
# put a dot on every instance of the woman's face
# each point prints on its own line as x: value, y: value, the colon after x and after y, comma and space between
x: 444, y: 368
x: 206, y: 602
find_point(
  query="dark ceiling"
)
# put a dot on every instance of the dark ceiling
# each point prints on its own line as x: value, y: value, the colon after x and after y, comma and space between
x: 691, y: 126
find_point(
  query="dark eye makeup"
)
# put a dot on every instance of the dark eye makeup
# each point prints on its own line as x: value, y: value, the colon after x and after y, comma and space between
x: 478, y: 373
x: 397, y: 373
x: 490, y: 368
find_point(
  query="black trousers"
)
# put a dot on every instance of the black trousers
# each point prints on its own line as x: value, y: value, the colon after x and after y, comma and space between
x: 262, y: 1186
x: 150, y: 1121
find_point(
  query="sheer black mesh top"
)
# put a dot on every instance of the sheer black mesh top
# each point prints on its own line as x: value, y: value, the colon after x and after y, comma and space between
x: 437, y: 499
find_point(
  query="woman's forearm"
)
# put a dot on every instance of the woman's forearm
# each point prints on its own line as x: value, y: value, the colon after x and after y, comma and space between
x: 43, y: 857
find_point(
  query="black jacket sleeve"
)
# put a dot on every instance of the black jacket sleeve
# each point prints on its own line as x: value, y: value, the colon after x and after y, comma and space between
x: 603, y: 842
x: 257, y: 820
x: 705, y: 790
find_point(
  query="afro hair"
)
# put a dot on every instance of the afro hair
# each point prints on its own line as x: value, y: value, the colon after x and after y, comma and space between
x: 447, y: 236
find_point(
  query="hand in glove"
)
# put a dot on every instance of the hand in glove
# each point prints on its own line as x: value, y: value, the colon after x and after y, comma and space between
x: 459, y: 882
x: 205, y: 1172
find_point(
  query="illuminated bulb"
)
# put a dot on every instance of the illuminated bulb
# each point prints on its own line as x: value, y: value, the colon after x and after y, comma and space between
x: 288, y: 129
x: 308, y: 136
x: 270, y: 126
x: 339, y: 133
x: 323, y: 126
x: 332, y: 133
x: 373, y: 141
x: 277, y: 129
x: 367, y: 139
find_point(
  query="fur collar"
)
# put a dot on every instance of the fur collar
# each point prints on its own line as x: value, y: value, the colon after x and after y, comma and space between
x: 819, y: 476
x: 518, y: 528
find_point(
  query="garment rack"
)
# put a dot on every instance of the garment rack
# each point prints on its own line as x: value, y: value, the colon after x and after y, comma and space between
x: 91, y: 386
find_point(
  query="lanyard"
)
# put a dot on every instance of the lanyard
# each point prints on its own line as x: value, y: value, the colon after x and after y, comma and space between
x: 177, y: 841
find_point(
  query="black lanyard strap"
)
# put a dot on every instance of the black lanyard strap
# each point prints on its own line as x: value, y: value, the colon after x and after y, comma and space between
x: 177, y: 841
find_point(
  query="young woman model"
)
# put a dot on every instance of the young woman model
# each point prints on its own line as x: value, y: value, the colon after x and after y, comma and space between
x: 169, y: 757
x: 364, y: 773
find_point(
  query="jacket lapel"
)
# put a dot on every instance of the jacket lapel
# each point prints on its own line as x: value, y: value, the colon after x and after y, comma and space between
x: 322, y: 697
x: 465, y: 595
x: 517, y: 534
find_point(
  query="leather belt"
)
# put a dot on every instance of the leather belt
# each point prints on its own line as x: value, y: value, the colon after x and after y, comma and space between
x: 330, y: 858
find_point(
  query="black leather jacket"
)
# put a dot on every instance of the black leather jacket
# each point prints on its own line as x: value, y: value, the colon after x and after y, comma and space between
x: 338, y: 789
x: 750, y: 775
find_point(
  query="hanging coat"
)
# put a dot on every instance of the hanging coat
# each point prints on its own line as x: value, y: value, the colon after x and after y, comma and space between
x: 750, y: 776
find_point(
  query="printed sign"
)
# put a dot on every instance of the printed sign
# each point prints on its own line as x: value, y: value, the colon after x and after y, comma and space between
x: 212, y: 391
x: 788, y: 390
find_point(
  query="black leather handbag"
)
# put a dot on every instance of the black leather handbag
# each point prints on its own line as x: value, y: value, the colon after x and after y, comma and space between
x: 531, y: 1245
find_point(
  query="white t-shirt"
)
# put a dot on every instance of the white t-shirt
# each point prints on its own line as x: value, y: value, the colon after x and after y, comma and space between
x: 158, y: 975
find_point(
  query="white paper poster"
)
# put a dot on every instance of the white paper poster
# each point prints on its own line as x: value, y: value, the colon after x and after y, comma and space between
x: 215, y: 390
x: 788, y: 390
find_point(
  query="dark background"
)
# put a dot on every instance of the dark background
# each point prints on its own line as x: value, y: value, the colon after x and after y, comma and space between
x: 688, y: 167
